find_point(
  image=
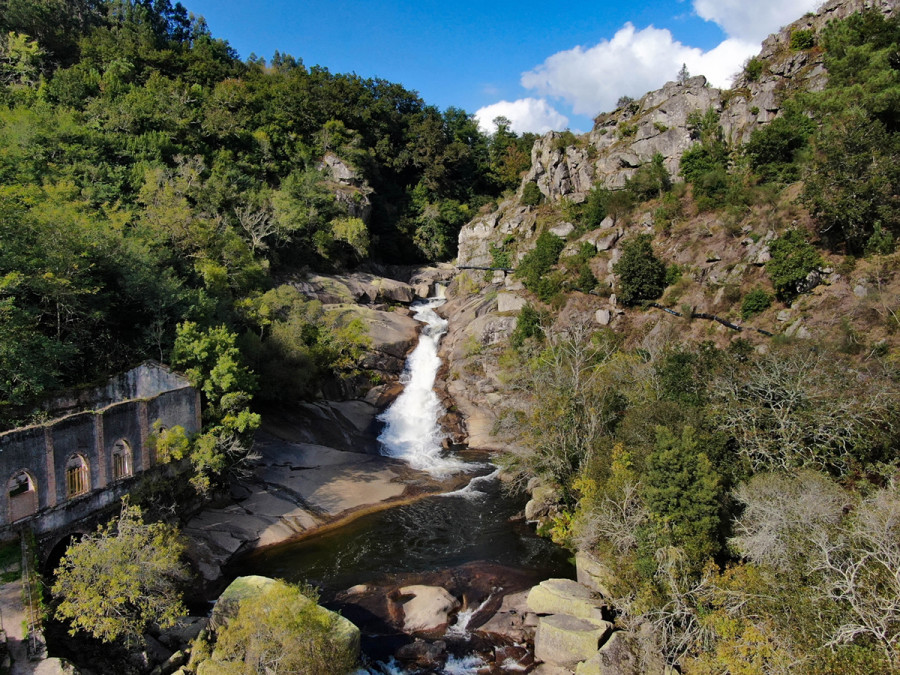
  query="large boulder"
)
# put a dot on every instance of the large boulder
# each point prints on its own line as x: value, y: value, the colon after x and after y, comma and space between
x: 509, y: 622
x: 229, y: 602
x: 344, y: 633
x: 428, y: 609
x: 564, y: 596
x: 544, y: 499
x: 54, y: 666
x: 616, y: 657
x: 594, y: 574
x: 510, y: 302
x: 355, y: 288
x: 565, y: 640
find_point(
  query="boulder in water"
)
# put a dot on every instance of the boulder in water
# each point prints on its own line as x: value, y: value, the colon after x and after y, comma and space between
x: 421, y: 654
x: 428, y: 609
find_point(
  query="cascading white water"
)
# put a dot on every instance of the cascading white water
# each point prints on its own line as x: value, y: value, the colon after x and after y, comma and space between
x: 411, y: 431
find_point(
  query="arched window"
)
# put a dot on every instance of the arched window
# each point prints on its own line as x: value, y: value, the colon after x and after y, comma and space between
x: 121, y: 460
x: 22, y: 493
x: 78, y: 479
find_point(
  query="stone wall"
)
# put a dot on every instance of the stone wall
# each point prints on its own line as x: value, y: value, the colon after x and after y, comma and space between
x: 65, y: 469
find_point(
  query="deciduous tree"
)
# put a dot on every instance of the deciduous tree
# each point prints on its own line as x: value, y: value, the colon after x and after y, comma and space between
x: 121, y: 580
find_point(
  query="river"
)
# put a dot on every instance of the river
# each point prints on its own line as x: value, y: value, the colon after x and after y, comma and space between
x: 473, y: 542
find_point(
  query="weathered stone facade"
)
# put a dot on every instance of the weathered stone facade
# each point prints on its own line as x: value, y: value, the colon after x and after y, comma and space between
x: 66, y: 469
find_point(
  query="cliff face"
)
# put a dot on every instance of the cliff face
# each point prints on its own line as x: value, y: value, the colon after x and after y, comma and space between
x: 625, y: 139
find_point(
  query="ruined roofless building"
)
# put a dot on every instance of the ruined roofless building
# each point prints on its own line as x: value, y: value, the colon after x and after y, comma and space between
x: 62, y: 471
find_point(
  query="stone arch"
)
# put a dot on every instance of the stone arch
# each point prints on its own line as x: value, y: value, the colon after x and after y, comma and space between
x: 122, y: 460
x: 54, y: 554
x: 78, y: 476
x: 21, y: 489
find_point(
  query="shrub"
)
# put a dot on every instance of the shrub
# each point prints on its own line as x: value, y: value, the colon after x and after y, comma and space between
x: 602, y: 202
x: 673, y: 274
x: 538, y: 262
x: 881, y: 242
x: 528, y: 325
x: 642, y: 276
x: 500, y: 256
x: 627, y: 130
x: 803, y: 39
x: 565, y: 140
x: 793, y: 258
x: 650, y: 180
x: 773, y: 148
x: 755, y: 302
x: 531, y: 194
x: 753, y: 69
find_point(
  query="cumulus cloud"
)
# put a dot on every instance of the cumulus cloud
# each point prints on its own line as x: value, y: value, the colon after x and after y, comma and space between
x: 752, y: 21
x: 632, y: 63
x: 525, y: 114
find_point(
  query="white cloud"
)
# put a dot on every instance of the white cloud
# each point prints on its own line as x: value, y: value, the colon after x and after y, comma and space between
x: 525, y: 114
x: 752, y: 21
x: 632, y: 63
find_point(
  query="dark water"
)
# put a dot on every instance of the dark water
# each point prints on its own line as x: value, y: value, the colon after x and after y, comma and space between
x: 434, y: 534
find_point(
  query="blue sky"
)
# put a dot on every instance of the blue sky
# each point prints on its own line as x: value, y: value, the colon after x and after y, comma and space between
x: 544, y: 65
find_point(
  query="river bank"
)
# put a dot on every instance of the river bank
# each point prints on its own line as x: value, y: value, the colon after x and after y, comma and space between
x: 297, y: 486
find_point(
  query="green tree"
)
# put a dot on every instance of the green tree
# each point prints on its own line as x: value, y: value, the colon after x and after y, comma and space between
x: 602, y: 202
x: 705, y: 164
x: 212, y: 362
x: 756, y: 301
x: 793, y: 258
x: 535, y: 266
x: 528, y: 326
x: 683, y: 495
x: 123, y: 579
x: 773, y: 149
x: 642, y: 276
x: 853, y: 179
x: 531, y: 194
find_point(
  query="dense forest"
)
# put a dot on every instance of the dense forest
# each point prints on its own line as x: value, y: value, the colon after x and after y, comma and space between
x: 152, y: 178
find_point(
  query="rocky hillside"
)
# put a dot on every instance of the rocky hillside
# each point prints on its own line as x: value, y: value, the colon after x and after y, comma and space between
x: 565, y: 167
x: 720, y: 254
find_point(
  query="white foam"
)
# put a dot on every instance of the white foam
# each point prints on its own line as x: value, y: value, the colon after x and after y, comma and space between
x: 463, y: 665
x: 461, y: 627
x: 471, y: 490
x: 411, y: 431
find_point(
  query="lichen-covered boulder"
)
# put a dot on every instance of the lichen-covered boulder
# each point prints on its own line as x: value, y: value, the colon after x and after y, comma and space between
x: 564, y: 596
x: 566, y: 640
x: 343, y: 636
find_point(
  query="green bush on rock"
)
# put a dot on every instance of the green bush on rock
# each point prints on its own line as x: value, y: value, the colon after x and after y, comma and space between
x: 642, y: 276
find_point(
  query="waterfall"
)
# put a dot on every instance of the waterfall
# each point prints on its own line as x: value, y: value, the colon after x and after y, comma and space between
x: 411, y: 431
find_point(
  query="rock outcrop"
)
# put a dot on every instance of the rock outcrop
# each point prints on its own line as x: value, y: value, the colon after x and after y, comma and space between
x: 349, y: 188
